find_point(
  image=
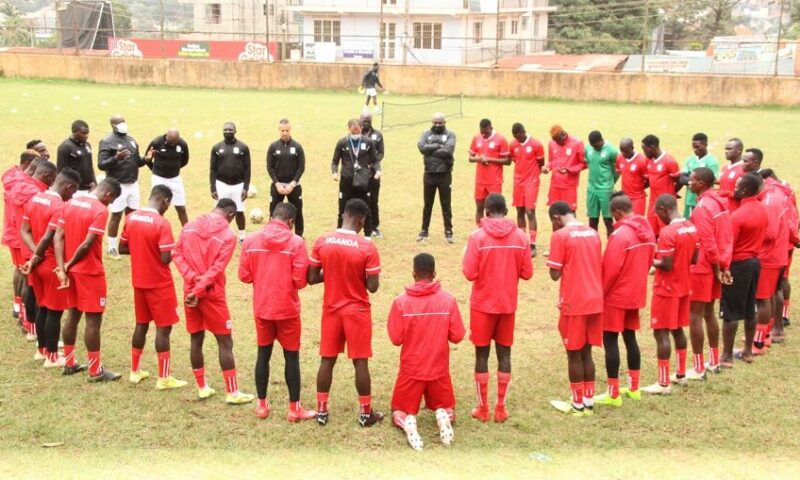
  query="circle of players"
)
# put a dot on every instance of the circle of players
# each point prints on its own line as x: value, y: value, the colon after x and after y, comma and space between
x: 733, y: 242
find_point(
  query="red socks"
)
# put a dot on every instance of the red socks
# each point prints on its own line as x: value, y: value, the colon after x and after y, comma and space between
x: 761, y: 334
x: 699, y: 363
x: 163, y: 364
x: 634, y: 374
x: 94, y: 363
x: 136, y: 356
x: 613, y: 387
x: 577, y: 393
x: 786, y: 308
x: 681, y: 367
x: 230, y: 380
x: 532, y: 233
x: 663, y: 372
x: 262, y: 403
x: 200, y: 377
x: 714, y: 357
x: 365, y: 403
x: 69, y: 355
x: 588, y: 393
x: 482, y: 387
x: 322, y: 402
x: 503, y: 380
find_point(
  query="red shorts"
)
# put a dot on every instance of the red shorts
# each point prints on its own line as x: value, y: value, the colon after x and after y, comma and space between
x: 769, y: 281
x: 485, y: 327
x: 87, y: 293
x: 525, y: 194
x: 287, y: 332
x: 16, y: 257
x: 618, y: 319
x: 789, y: 265
x: 350, y: 325
x: 408, y: 392
x: 52, y: 297
x: 578, y: 330
x: 482, y: 190
x: 639, y: 205
x: 210, y: 314
x: 670, y: 313
x: 159, y: 305
x: 704, y: 287
x: 569, y: 195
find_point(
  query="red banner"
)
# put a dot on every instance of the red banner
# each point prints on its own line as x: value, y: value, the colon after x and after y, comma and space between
x: 192, y: 49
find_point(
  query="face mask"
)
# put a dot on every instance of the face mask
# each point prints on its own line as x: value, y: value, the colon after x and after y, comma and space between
x: 121, y: 128
x: 229, y: 136
x: 438, y: 129
x: 355, y: 136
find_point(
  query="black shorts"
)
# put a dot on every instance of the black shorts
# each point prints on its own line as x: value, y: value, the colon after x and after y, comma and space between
x: 739, y: 299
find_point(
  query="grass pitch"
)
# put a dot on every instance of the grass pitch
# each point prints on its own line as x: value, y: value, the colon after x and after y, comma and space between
x: 733, y: 425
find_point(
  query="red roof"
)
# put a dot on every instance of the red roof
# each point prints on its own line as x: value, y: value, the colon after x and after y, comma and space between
x: 576, y: 63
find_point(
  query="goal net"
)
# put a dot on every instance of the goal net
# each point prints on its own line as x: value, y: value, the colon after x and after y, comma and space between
x: 397, y: 115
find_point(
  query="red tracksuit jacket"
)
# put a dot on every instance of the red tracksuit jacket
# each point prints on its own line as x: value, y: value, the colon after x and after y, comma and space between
x: 275, y: 261
x: 497, y: 256
x: 204, y: 249
x: 626, y: 263
x: 423, y: 320
x: 713, y: 223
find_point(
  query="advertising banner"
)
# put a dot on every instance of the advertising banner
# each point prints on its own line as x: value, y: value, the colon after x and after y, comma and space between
x: 192, y: 49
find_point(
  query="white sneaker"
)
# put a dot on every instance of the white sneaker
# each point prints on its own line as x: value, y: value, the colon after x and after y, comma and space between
x: 678, y: 381
x: 59, y: 363
x: 446, y: 433
x: 38, y: 357
x: 113, y: 254
x: 713, y: 368
x: 657, y: 389
x: 412, y: 435
x: 693, y: 375
x: 29, y: 337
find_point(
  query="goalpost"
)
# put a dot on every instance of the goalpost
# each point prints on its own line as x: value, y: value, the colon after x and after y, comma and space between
x: 395, y: 115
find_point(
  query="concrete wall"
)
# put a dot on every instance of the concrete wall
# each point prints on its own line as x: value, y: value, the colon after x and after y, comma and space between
x: 421, y: 80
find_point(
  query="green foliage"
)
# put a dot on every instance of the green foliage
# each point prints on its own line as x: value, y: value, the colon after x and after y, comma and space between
x: 596, y: 26
x: 691, y: 22
x: 14, y: 32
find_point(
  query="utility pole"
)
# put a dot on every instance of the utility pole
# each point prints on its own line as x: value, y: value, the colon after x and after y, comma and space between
x: 644, y: 32
x: 497, y: 35
x: 162, y: 28
x: 778, y: 42
x: 266, y: 28
x: 58, y: 25
x: 381, y: 34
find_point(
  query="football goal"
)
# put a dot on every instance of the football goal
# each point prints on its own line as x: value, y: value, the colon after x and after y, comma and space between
x: 397, y: 115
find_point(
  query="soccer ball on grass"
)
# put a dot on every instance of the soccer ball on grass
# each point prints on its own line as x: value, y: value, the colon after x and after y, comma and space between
x: 256, y: 215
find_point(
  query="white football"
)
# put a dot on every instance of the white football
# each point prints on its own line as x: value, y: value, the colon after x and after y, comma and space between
x: 256, y: 215
x: 252, y: 192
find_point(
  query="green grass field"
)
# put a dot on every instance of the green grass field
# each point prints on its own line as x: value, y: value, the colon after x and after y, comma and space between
x: 736, y: 425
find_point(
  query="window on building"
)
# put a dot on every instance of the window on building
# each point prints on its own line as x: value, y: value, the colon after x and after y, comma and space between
x: 524, y: 24
x: 214, y: 13
x: 268, y: 9
x: 390, y: 2
x: 428, y: 36
x: 477, y: 32
x: 328, y: 31
x: 501, y: 30
x: 514, y: 27
x: 535, y: 26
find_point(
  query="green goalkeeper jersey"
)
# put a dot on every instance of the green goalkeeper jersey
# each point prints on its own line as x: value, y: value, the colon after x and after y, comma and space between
x: 693, y: 162
x: 602, y: 167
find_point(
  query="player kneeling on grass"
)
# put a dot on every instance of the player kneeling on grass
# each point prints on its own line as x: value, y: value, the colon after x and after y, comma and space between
x: 147, y: 238
x: 676, y: 251
x: 626, y: 261
x: 423, y: 320
x: 575, y: 260
x: 204, y: 249
x: 497, y: 256
x: 79, y: 258
x: 275, y: 261
x: 349, y: 266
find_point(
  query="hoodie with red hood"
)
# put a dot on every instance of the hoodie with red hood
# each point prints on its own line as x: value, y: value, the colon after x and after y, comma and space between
x: 204, y: 249
x: 497, y: 256
x: 423, y: 320
x: 275, y: 261
x: 713, y: 223
x: 11, y: 177
x: 626, y: 263
x: 21, y: 194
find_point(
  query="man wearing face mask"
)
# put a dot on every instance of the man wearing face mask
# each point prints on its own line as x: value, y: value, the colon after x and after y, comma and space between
x: 359, y: 160
x: 119, y: 157
x: 375, y: 182
x: 437, y: 146
x: 166, y: 155
x: 230, y: 172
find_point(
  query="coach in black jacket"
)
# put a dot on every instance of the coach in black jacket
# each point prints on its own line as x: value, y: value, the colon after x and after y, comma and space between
x: 437, y: 146
x: 374, y: 183
x: 359, y: 164
x: 286, y: 162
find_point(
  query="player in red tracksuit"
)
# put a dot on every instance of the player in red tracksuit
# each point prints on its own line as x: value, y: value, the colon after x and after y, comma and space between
x: 575, y: 260
x: 423, y: 321
x: 147, y: 238
x: 669, y: 307
x: 712, y: 220
x: 497, y: 254
x: 626, y: 262
x: 43, y: 177
x: 566, y: 159
x: 78, y: 248
x: 204, y: 249
x: 39, y: 225
x: 489, y: 151
x: 350, y: 266
x: 662, y: 172
x: 632, y: 168
x: 275, y: 261
x: 11, y: 177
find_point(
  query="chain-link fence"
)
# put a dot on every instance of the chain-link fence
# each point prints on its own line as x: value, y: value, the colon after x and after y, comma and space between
x: 520, y: 34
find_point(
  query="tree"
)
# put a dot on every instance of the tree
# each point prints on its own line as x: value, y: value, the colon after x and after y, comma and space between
x: 123, y: 25
x: 693, y: 22
x: 14, y: 32
x: 792, y: 32
x: 597, y: 26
